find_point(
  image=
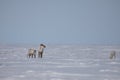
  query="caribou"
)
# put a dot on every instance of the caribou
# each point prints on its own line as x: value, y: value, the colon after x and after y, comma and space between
x: 32, y: 53
x: 112, y: 55
x: 40, y: 50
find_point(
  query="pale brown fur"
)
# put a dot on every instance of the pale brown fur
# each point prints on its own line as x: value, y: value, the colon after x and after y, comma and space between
x: 32, y: 53
x: 112, y: 55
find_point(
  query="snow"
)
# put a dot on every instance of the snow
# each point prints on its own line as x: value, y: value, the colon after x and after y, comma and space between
x: 60, y: 62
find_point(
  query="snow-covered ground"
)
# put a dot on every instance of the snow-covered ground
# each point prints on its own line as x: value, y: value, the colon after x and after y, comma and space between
x: 60, y: 62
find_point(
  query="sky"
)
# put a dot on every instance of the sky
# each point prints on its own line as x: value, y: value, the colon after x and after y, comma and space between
x: 60, y: 21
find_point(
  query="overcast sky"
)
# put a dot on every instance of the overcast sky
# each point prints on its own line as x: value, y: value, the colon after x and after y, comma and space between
x: 60, y: 21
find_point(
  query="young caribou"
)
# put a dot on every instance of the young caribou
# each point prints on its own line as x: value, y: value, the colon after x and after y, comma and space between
x: 32, y: 53
x: 112, y: 55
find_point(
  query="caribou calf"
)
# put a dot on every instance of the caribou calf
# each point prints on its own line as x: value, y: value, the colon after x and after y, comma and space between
x: 32, y: 53
x: 112, y: 55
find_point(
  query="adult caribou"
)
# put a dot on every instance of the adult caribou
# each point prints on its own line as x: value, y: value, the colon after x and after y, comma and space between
x: 40, y: 50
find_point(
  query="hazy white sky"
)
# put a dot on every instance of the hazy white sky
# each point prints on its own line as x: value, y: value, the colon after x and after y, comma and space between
x: 60, y: 21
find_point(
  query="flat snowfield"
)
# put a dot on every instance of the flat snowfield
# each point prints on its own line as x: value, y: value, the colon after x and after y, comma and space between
x: 60, y: 62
